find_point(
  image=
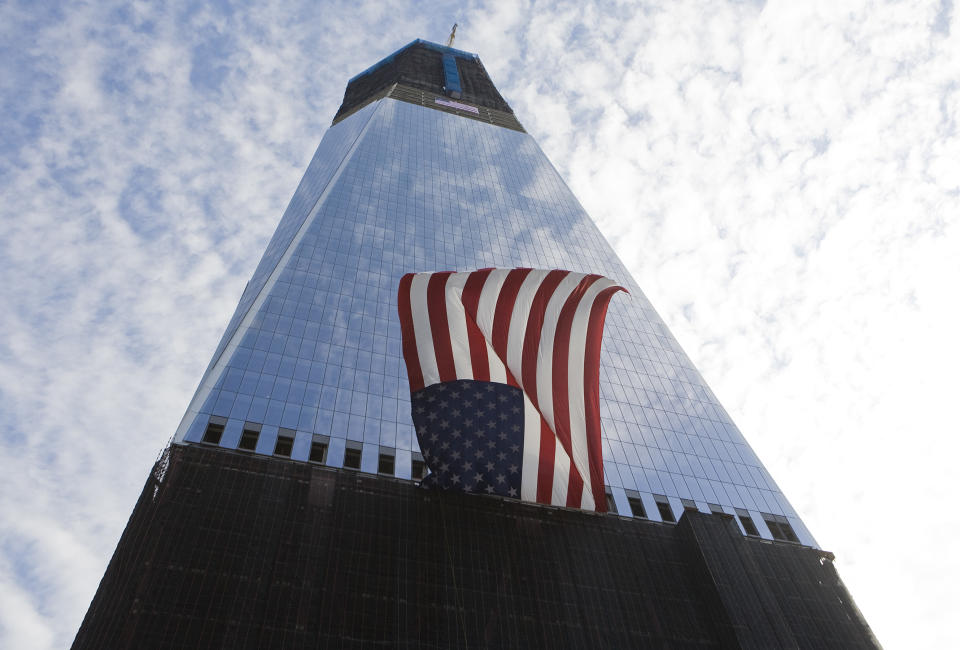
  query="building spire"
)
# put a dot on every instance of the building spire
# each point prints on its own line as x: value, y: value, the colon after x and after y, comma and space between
x: 453, y: 34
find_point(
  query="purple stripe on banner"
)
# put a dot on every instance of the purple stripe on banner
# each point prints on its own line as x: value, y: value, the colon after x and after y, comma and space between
x: 459, y: 106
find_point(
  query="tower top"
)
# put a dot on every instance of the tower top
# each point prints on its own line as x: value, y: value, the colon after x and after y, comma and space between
x: 426, y: 71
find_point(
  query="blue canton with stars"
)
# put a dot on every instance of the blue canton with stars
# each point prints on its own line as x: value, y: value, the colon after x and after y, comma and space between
x: 471, y: 436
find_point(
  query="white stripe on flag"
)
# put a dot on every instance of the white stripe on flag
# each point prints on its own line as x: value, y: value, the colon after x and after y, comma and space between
x: 486, y: 308
x: 421, y: 329
x: 531, y: 451
x: 457, y: 321
x: 487, y: 305
x: 561, y: 476
x: 518, y: 322
x: 498, y: 371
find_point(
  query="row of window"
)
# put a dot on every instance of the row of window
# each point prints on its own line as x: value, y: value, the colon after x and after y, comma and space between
x: 283, y: 447
x: 779, y: 527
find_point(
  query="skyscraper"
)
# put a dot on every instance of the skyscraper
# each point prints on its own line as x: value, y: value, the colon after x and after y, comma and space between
x: 286, y: 512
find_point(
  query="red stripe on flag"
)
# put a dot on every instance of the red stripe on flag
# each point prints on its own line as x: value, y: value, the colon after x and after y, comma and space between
x: 504, y: 312
x: 548, y: 450
x: 561, y: 388
x: 574, y: 487
x: 561, y: 358
x: 478, y: 345
x: 531, y: 339
x: 439, y: 325
x: 591, y: 397
x: 414, y: 372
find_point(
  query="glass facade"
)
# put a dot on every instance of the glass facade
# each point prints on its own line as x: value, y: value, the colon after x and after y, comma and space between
x: 314, y: 345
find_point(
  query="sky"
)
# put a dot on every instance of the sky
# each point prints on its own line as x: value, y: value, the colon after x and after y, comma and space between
x: 782, y: 179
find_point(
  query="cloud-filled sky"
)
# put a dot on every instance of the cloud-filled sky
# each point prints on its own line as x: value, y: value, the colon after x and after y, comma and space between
x: 783, y: 180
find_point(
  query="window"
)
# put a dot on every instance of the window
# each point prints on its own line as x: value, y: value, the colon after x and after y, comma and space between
x: 663, y: 506
x: 748, y: 526
x: 636, y: 504
x: 351, y: 456
x: 249, y: 437
x: 716, y: 508
x: 418, y: 469
x: 214, y: 430
x: 284, y: 446
x: 689, y: 505
x: 318, y: 449
x: 385, y: 464
x: 774, y: 527
x: 611, y: 504
x: 780, y: 528
x: 788, y: 532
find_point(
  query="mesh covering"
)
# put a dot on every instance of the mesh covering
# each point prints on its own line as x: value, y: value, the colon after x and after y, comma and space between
x: 232, y: 550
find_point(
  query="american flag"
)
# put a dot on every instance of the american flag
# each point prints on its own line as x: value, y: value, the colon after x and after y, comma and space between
x: 504, y: 371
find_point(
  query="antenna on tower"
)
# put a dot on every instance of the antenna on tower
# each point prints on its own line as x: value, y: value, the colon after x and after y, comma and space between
x: 453, y: 34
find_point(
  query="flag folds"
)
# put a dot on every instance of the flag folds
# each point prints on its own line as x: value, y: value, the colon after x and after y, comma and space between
x: 504, y: 379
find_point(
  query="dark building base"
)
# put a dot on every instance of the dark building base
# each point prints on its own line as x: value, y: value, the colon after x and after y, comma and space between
x: 228, y: 550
